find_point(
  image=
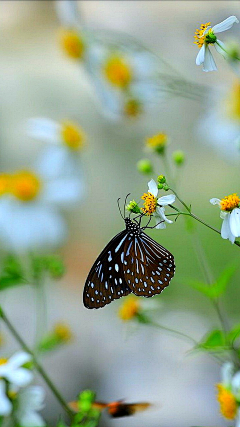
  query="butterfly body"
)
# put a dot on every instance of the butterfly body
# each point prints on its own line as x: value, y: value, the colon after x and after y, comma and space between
x: 131, y: 262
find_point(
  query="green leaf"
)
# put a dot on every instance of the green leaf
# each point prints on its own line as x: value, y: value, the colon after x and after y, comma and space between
x: 219, y: 287
x: 213, y: 341
x: 234, y: 333
x: 12, y: 273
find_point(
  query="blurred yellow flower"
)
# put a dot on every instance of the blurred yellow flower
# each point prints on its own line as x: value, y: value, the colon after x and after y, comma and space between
x: 25, y: 185
x: 117, y: 71
x: 63, y: 332
x: 4, y: 183
x: 3, y: 361
x: 227, y: 401
x: 72, y: 43
x: 228, y: 203
x: 72, y: 135
x: 157, y: 142
x: 129, y: 309
x: 232, y: 102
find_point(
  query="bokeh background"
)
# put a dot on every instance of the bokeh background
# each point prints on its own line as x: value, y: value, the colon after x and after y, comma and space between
x: 36, y: 79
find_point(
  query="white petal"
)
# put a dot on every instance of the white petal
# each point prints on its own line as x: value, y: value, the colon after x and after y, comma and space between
x: 236, y: 384
x: 227, y: 373
x: 45, y: 130
x: 223, y: 214
x: 167, y: 200
x: 160, y: 225
x: 235, y: 222
x: 215, y: 201
x: 19, y: 359
x: 237, y: 420
x: 161, y: 213
x: 30, y: 400
x: 63, y: 192
x: 201, y: 55
x: 57, y: 161
x: 5, y: 404
x: 225, y: 25
x: 220, y: 49
x: 68, y: 12
x: 226, y: 231
x: 152, y: 187
x: 209, y: 63
x: 20, y: 377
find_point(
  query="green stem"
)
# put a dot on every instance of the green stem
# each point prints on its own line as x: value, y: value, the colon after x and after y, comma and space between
x: 224, y: 50
x: 173, y: 331
x: 39, y: 368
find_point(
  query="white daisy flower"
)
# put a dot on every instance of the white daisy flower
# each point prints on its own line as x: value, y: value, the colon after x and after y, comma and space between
x: 156, y: 206
x: 206, y: 36
x: 13, y: 371
x: 29, y: 402
x: 230, y: 213
x: 229, y: 393
x: 29, y: 207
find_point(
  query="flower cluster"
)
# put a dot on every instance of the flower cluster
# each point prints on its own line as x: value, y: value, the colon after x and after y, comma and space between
x: 228, y: 393
x: 19, y: 399
x: 230, y: 213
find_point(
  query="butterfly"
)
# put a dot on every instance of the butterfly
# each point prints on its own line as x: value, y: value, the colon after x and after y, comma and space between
x: 116, y: 409
x: 131, y: 262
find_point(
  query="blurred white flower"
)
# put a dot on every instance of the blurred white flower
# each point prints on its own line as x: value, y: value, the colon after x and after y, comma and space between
x: 29, y: 402
x: 68, y: 13
x: 29, y: 206
x: 228, y: 394
x: 156, y: 206
x: 230, y: 213
x: 206, y: 36
x: 13, y: 371
x: 5, y: 403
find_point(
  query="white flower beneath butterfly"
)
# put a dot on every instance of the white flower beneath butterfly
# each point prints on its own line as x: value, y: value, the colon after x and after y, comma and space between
x: 229, y: 393
x: 12, y: 370
x: 29, y: 401
x: 156, y: 206
x: 207, y: 36
x: 230, y: 213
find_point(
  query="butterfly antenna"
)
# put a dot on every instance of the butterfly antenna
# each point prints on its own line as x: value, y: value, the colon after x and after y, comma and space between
x: 119, y: 208
x: 125, y: 204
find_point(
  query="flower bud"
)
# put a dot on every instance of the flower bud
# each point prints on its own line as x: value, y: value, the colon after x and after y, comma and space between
x: 133, y: 207
x: 178, y: 157
x: 144, y: 166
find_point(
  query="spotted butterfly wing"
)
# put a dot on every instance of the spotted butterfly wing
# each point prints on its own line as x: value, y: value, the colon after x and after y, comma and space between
x: 131, y: 262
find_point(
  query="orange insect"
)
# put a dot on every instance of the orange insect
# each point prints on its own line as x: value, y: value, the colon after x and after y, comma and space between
x: 116, y: 409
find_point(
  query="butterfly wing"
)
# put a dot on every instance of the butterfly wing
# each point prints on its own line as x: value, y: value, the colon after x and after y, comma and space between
x: 105, y: 281
x: 148, y: 266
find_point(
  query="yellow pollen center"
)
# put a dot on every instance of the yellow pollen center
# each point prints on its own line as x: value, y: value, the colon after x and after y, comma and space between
x: 150, y: 203
x: 25, y: 185
x: 232, y: 102
x: 228, y: 203
x: 4, y: 183
x: 72, y: 44
x: 157, y: 142
x: 3, y: 361
x: 199, y: 34
x: 118, y: 72
x: 129, y: 308
x: 72, y: 135
x: 63, y: 332
x: 228, y: 404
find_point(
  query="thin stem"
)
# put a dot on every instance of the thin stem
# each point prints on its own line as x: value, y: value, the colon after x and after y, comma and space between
x: 41, y: 311
x: 173, y: 331
x: 224, y: 50
x: 36, y: 363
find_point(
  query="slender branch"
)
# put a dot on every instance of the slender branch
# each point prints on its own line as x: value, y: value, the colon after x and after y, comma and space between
x: 173, y: 331
x: 36, y: 363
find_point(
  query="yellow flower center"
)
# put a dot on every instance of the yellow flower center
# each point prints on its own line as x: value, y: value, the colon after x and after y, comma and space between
x: 228, y: 404
x: 72, y: 43
x: 25, y: 185
x: 228, y: 203
x: 117, y: 72
x: 63, y: 332
x: 150, y: 203
x: 200, y: 36
x: 132, y: 108
x: 157, y: 142
x: 129, y: 308
x: 3, y: 361
x: 232, y: 102
x: 4, y: 183
x: 72, y: 135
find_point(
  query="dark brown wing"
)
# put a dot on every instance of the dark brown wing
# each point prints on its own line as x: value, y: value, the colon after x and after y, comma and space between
x: 148, y: 266
x: 105, y: 281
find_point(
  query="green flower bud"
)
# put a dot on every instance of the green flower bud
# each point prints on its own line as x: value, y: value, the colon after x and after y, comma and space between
x: 178, y: 157
x: 165, y: 187
x: 210, y: 37
x: 133, y: 207
x: 144, y: 166
x: 161, y: 179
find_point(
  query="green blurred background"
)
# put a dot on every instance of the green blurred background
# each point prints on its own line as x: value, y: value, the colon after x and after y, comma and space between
x: 38, y: 80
